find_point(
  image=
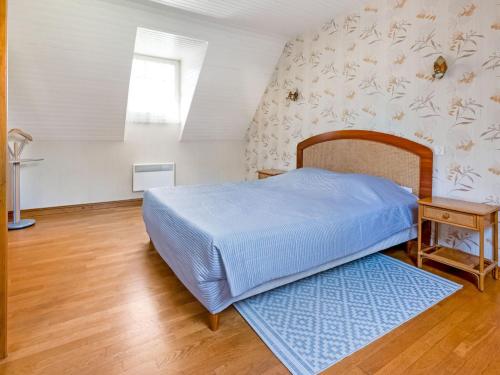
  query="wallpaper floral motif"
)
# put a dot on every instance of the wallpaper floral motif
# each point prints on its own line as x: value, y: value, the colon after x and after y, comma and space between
x: 372, y: 69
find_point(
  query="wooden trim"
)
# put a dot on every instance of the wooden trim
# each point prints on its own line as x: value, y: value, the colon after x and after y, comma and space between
x: 419, y: 237
x: 3, y: 179
x: 424, y: 153
x: 495, y: 244
x: 271, y: 172
x: 264, y: 173
x: 80, y: 207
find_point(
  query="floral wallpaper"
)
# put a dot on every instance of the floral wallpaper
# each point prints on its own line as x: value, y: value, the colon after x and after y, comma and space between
x: 372, y: 69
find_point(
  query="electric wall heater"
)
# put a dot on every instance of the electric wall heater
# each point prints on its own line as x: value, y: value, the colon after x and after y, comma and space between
x: 147, y: 176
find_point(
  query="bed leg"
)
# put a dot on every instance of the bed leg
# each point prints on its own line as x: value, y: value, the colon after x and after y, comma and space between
x: 409, y: 245
x: 213, y: 321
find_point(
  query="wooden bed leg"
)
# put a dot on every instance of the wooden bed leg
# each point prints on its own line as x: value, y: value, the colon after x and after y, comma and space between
x: 409, y: 245
x: 213, y: 321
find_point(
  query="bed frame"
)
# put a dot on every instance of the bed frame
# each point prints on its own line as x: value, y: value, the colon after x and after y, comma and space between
x: 360, y: 151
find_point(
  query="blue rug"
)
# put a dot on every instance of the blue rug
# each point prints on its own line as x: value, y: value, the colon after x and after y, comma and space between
x: 315, y: 322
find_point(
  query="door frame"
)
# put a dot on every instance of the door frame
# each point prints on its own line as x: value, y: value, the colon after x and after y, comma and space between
x: 3, y: 178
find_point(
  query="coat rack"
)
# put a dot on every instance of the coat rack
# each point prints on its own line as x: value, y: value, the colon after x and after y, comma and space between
x: 19, y: 139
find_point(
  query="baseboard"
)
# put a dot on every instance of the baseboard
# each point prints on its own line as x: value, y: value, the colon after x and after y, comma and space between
x: 78, y: 208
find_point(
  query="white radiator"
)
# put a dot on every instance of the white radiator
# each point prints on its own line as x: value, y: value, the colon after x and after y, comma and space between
x: 147, y: 176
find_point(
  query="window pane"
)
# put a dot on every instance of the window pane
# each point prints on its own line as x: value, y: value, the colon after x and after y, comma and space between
x: 153, y: 91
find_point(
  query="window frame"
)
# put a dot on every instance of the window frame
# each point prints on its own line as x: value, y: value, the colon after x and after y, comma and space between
x: 177, y: 66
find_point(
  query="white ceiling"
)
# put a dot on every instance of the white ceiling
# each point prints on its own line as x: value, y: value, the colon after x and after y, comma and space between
x: 165, y: 45
x: 70, y: 62
x: 282, y: 17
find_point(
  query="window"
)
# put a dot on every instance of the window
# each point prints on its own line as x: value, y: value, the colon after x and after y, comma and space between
x: 154, y: 90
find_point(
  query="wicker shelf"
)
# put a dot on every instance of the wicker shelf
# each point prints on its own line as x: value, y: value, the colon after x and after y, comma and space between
x: 457, y: 258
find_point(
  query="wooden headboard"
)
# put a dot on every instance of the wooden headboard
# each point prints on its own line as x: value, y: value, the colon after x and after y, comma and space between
x: 360, y: 151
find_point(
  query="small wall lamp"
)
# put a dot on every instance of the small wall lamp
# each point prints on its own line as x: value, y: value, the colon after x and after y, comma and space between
x: 293, y: 95
x: 440, y: 68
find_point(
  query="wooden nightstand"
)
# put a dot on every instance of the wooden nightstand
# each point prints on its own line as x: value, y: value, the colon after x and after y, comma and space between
x: 265, y: 173
x: 462, y: 214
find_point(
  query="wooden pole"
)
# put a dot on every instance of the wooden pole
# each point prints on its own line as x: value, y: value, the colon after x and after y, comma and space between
x: 3, y: 178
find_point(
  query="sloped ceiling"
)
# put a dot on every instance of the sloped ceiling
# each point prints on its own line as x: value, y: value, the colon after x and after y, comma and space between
x: 70, y: 61
x: 282, y: 17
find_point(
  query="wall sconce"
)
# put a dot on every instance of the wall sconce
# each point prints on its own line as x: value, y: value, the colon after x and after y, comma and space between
x: 293, y: 95
x: 440, y: 68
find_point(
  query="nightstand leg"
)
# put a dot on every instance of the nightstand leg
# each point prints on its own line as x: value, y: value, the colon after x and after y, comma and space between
x: 495, y: 245
x: 436, y: 233
x: 480, y: 284
x: 481, y: 254
x: 419, y: 248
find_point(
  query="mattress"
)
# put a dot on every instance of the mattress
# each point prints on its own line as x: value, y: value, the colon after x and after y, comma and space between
x: 226, y: 242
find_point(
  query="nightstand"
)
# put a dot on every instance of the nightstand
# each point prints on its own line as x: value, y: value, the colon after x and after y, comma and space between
x: 265, y: 173
x: 474, y: 216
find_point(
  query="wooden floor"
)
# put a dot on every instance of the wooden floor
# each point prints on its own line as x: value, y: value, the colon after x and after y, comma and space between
x: 88, y: 296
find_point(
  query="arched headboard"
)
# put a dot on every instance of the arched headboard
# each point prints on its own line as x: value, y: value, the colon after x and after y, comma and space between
x: 361, y: 151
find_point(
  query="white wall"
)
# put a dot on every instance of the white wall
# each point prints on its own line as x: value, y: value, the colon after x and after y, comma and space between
x: 69, y: 70
x: 84, y: 171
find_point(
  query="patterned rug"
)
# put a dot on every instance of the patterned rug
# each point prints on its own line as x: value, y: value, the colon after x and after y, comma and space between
x: 315, y: 322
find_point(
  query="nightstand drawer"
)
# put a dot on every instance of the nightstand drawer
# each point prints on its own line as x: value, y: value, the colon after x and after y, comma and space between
x: 451, y: 217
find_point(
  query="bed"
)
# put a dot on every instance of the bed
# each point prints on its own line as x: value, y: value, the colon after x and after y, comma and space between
x: 353, y: 193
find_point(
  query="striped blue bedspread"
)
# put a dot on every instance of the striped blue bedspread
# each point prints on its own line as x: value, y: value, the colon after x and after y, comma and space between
x: 241, y: 235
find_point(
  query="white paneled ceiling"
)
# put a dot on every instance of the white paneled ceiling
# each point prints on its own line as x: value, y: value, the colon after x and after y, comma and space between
x: 165, y: 45
x: 70, y: 62
x: 284, y: 17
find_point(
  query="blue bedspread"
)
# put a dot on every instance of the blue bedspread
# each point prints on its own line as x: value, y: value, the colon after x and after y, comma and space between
x: 250, y: 233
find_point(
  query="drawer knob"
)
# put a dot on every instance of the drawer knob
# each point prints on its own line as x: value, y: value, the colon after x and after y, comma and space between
x: 446, y: 216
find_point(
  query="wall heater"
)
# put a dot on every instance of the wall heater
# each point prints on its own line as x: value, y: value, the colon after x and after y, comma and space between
x: 147, y: 176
